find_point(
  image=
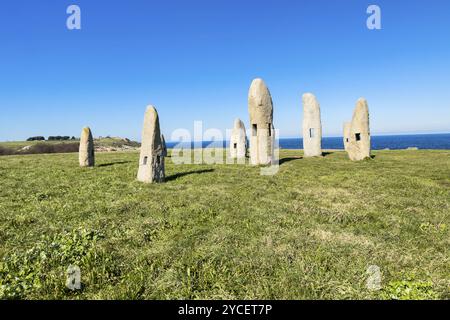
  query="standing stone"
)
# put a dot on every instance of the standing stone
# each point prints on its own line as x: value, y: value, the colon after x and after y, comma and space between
x: 312, y: 126
x: 86, y: 154
x: 359, y: 142
x: 151, y: 161
x: 238, y: 141
x: 260, y: 108
x: 346, y: 134
x: 163, y: 141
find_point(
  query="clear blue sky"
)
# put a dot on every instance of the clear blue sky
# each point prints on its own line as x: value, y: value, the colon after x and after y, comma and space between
x: 195, y: 59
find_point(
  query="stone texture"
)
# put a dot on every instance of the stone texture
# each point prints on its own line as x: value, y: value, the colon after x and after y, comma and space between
x: 151, y: 160
x: 163, y: 141
x: 359, y: 143
x: 86, y: 154
x: 312, y: 126
x: 260, y: 108
x: 346, y: 134
x: 238, y: 140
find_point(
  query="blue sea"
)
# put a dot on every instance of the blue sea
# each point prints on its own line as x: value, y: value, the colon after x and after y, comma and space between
x: 394, y: 142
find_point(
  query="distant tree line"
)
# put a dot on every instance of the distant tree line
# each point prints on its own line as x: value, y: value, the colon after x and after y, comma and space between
x: 51, y: 138
x: 38, y: 138
x: 60, y: 138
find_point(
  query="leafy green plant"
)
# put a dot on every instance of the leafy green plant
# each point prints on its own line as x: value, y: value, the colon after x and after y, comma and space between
x: 24, y: 273
x: 409, y: 289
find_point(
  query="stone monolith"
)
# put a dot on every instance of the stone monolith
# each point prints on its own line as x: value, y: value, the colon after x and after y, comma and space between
x: 346, y: 134
x: 163, y: 141
x: 260, y: 108
x: 359, y: 143
x: 151, y: 160
x: 238, y: 140
x: 86, y: 154
x: 312, y: 126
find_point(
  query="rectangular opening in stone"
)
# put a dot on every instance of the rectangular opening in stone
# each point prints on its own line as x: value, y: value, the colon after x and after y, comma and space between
x: 270, y: 129
x: 311, y: 132
x: 158, y: 160
x: 346, y: 140
x: 145, y: 161
x: 254, y: 130
x: 358, y: 136
x: 235, y: 145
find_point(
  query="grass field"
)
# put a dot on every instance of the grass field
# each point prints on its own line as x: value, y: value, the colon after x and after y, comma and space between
x: 225, y: 231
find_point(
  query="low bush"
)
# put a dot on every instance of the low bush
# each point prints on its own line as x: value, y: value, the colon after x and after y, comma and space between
x: 52, y: 148
x: 40, y: 148
x: 6, y: 151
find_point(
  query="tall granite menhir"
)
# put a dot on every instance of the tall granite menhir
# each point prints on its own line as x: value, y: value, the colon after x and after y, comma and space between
x: 260, y: 108
x: 151, y: 160
x: 312, y: 126
x: 238, y: 141
x: 346, y: 135
x: 163, y: 141
x: 86, y: 154
x: 359, y: 138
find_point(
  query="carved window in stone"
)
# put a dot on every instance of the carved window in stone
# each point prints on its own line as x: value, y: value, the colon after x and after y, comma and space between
x: 269, y: 126
x: 235, y: 146
x: 145, y: 161
x: 254, y: 130
x: 158, y: 160
x: 346, y: 140
x: 358, y: 136
x: 311, y: 132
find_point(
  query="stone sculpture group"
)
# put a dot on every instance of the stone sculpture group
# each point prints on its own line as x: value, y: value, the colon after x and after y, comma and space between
x: 356, y: 135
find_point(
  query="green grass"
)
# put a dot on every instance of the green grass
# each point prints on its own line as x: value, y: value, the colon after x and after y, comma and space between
x: 225, y: 231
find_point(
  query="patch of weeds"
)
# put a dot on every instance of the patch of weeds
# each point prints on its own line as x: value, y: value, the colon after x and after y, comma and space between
x: 409, y: 289
x: 42, y: 196
x: 428, y: 227
x: 25, y: 274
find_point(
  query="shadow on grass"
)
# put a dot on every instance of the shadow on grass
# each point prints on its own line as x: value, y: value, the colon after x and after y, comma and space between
x: 113, y: 163
x: 182, y: 174
x: 284, y: 160
x: 324, y: 154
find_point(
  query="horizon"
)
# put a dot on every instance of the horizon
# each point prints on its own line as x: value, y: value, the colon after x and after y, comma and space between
x: 193, y: 64
x: 281, y: 138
